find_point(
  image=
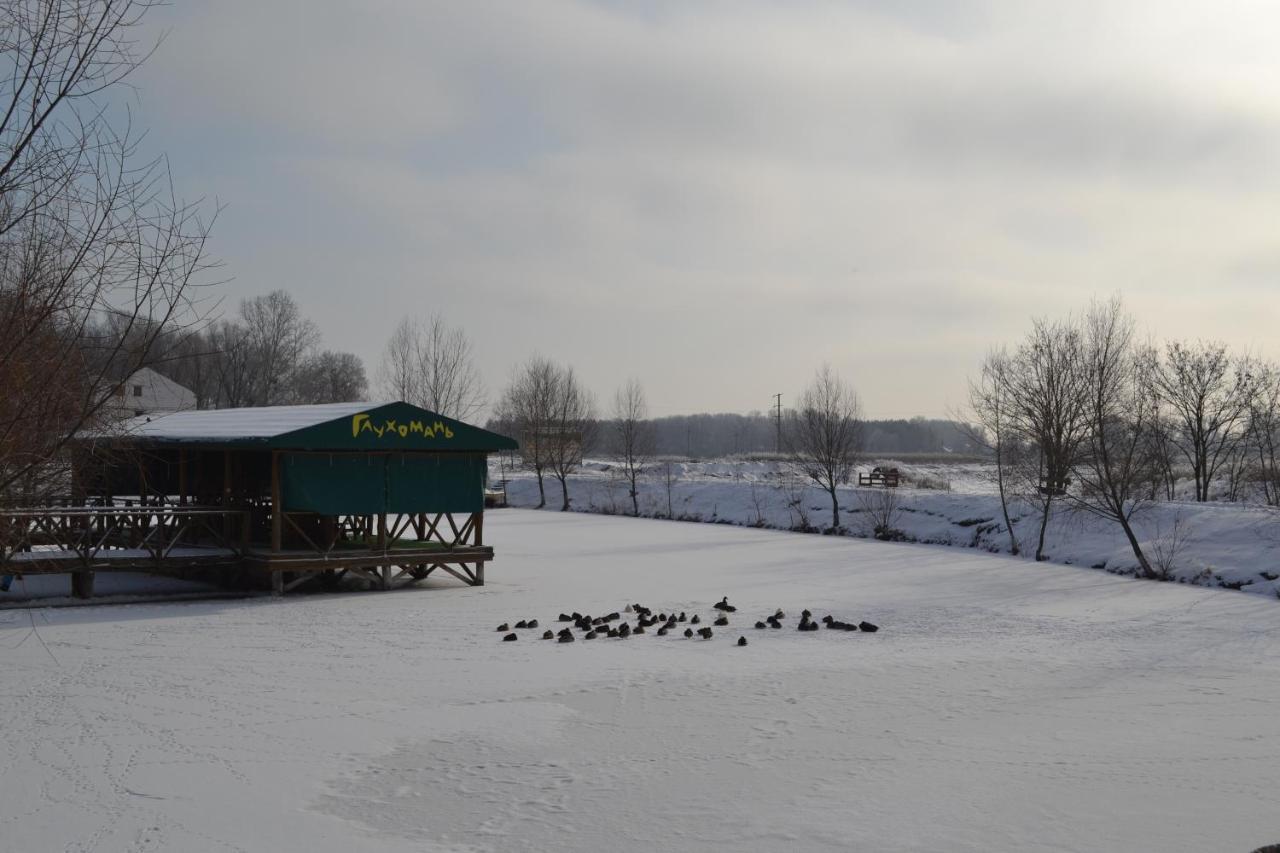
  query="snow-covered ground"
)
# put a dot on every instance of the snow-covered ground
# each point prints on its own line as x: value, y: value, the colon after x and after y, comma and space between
x: 1003, y: 706
x: 1209, y: 544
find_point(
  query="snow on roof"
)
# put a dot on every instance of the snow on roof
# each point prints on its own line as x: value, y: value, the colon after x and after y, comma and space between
x: 237, y: 424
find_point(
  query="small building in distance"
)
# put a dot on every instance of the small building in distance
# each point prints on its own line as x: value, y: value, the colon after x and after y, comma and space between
x: 147, y: 392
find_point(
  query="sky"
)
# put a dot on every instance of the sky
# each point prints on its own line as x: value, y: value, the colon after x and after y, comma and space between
x: 717, y: 198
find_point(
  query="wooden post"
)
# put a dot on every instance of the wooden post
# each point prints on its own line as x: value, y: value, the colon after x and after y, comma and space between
x: 382, y: 531
x: 277, y: 522
x: 226, y: 500
x: 478, y: 527
x: 82, y: 584
x: 182, y: 478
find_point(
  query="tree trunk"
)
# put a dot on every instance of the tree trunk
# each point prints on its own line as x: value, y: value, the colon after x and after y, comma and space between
x: 1143, y: 562
x: 1014, y: 548
x: 635, y: 498
x: 835, y: 511
x: 542, y: 491
x: 564, y: 490
x: 1044, y: 525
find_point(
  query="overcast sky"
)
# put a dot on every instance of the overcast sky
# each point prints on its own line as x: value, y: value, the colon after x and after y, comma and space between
x: 718, y: 197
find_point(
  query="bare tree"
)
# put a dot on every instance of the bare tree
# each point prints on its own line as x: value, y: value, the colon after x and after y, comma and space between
x: 633, y: 435
x: 87, y: 231
x: 332, y: 377
x: 1114, y: 467
x: 279, y: 340
x: 431, y: 364
x: 526, y: 410
x: 824, y: 434
x: 1046, y: 388
x: 571, y: 429
x: 1207, y: 393
x: 990, y: 404
x: 1264, y: 432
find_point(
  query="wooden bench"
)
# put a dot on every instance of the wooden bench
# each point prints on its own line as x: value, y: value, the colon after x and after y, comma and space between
x: 889, y: 478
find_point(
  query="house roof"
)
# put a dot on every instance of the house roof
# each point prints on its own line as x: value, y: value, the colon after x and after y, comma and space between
x: 331, y: 426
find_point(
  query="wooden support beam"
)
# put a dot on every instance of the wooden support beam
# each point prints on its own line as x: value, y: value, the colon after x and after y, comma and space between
x: 478, y: 527
x: 182, y: 478
x: 82, y: 584
x: 277, y: 519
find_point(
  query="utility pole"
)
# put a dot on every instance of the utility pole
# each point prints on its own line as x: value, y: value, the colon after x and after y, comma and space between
x: 778, y: 422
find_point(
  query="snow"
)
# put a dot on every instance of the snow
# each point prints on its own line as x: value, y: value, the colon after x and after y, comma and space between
x: 234, y: 424
x: 1222, y: 544
x: 1004, y: 705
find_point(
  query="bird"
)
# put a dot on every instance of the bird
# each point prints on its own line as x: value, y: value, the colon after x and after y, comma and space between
x: 695, y: 620
x: 547, y: 635
x: 724, y: 605
x: 639, y: 629
x: 723, y: 620
x: 566, y: 638
x: 868, y: 627
x: 565, y: 617
x: 662, y: 632
x: 504, y: 627
x: 613, y: 632
x: 778, y: 614
x: 688, y: 632
x: 774, y: 623
x: 522, y: 624
x: 510, y: 638
x: 682, y: 616
x: 827, y: 619
x: 624, y: 630
x: 590, y: 635
x: 760, y: 625
x: 805, y: 614
x: 742, y: 641
x: 704, y: 633
x: 533, y: 623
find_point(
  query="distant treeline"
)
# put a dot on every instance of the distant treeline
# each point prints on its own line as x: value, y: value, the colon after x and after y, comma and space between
x: 712, y: 435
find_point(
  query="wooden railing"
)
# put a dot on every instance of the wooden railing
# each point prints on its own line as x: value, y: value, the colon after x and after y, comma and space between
x: 86, y: 535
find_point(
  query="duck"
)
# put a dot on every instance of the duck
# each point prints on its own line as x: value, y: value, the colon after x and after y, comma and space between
x: 547, y: 635
x: 774, y: 623
x: 533, y: 623
x: 742, y: 641
x: 590, y: 635
x: 566, y: 638
x: 724, y: 605
x: 504, y: 627
x: 705, y: 633
x: 682, y: 616
x: 695, y: 620
x: 778, y: 614
x: 639, y: 629
x: 662, y: 632
x: 723, y: 620
x: 624, y: 630
x: 688, y: 632
x: 510, y: 638
x: 868, y: 627
x: 522, y: 624
x: 565, y: 617
x: 760, y: 625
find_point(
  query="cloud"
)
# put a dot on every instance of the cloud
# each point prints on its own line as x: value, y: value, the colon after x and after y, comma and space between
x: 717, y: 196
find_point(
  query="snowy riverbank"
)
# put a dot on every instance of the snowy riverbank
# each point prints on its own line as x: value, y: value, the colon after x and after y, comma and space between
x: 1213, y: 544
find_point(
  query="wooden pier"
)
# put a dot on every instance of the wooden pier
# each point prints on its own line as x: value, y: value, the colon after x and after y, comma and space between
x: 268, y: 498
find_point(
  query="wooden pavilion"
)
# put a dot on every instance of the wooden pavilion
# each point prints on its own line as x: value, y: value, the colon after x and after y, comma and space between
x: 273, y: 496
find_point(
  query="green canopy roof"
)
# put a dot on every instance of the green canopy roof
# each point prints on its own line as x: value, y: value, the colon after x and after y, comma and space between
x: 333, y: 426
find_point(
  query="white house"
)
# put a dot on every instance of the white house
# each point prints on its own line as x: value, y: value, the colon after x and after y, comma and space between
x: 146, y: 392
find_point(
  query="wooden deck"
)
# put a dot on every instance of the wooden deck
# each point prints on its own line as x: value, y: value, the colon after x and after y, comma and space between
x: 178, y: 541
